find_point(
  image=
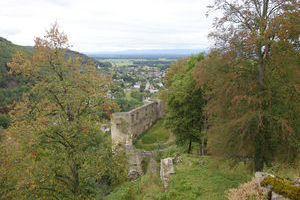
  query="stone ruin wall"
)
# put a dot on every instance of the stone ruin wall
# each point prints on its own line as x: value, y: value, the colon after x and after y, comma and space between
x: 126, y: 126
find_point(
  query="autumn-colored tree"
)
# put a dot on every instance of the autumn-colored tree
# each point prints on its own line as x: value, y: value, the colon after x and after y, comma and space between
x: 56, y: 129
x: 175, y: 67
x: 253, y: 82
x: 185, y: 103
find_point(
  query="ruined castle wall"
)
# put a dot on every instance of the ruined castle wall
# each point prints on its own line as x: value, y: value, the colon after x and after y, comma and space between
x: 119, y: 127
x: 125, y: 126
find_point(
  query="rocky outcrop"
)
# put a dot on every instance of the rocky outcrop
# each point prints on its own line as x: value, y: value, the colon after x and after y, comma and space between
x: 267, y: 181
x: 260, y: 176
x: 166, y: 169
x: 177, y: 158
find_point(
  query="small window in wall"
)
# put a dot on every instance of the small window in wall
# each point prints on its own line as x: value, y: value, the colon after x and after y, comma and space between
x: 118, y: 126
x: 137, y: 116
x: 132, y: 118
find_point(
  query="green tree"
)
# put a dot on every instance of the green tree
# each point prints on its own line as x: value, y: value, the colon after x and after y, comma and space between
x: 137, y: 95
x: 142, y: 87
x: 185, y: 103
x: 253, y: 101
x: 61, y: 151
x: 4, y: 120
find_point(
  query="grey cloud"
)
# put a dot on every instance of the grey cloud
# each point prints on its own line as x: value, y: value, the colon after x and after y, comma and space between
x: 94, y: 25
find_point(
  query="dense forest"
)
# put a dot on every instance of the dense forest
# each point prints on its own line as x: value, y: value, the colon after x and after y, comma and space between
x: 246, y: 90
x: 238, y: 103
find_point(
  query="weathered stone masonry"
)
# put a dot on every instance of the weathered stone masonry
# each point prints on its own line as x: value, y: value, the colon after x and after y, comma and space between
x: 126, y: 126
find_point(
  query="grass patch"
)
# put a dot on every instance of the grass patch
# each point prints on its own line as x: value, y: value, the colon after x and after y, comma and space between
x: 149, y: 139
x: 147, y: 187
x: 145, y: 163
x: 204, y: 178
x: 195, y: 178
x: 154, y: 138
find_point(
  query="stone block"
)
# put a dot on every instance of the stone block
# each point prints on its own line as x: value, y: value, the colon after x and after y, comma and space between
x: 166, y: 169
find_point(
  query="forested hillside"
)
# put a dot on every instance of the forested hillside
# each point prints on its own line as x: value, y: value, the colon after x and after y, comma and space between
x: 7, y: 51
x: 12, y: 86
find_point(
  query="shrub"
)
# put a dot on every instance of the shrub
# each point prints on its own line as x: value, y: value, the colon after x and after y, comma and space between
x: 4, y: 121
x: 246, y: 191
x: 148, y: 139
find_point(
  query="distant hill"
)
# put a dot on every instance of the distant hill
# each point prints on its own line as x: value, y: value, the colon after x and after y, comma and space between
x: 148, y: 53
x: 7, y: 50
x: 11, y: 87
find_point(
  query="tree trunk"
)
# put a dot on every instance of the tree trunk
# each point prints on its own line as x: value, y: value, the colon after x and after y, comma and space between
x: 258, y: 140
x: 190, y: 145
x: 205, y: 147
x: 205, y: 130
x: 261, y: 74
x: 200, y: 147
x: 200, y: 141
x: 258, y: 151
x: 74, y: 170
x: 258, y: 162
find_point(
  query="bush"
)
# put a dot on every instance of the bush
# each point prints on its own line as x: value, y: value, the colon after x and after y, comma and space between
x: 4, y: 121
x: 246, y: 191
x: 148, y: 139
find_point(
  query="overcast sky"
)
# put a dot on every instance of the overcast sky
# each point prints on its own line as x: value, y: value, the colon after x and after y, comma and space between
x: 110, y: 25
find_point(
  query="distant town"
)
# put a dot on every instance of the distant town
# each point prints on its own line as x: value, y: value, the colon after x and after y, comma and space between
x: 141, y: 74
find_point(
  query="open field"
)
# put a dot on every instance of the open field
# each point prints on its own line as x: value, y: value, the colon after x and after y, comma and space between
x: 118, y: 62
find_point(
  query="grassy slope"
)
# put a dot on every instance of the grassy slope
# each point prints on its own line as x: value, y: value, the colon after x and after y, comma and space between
x: 204, y: 178
x: 155, y: 137
x: 196, y: 178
